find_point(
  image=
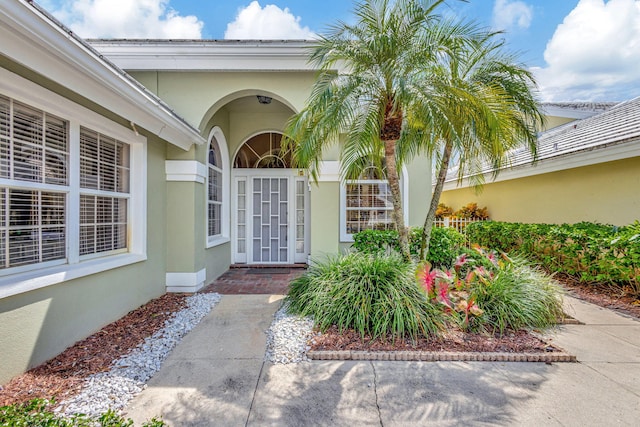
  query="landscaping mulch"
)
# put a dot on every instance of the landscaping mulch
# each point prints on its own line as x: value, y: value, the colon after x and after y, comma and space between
x: 609, y: 296
x: 451, y: 341
x: 63, y: 376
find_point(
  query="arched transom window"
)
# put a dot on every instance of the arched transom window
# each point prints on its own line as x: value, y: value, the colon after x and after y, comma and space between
x: 215, y: 190
x: 263, y: 151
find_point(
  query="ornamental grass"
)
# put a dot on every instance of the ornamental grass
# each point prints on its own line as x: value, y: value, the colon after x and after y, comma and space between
x: 373, y: 294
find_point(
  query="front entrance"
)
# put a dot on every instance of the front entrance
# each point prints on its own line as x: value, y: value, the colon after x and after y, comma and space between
x: 270, y: 217
x: 270, y: 210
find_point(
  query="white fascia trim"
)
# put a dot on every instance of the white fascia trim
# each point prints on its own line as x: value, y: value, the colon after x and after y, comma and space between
x: 31, y: 38
x: 26, y: 91
x: 207, y: 55
x: 37, y: 279
x: 186, y: 282
x: 329, y: 171
x: 185, y: 171
x: 569, y: 161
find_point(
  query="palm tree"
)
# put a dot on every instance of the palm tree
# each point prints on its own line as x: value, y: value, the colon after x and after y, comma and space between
x: 370, y: 87
x: 492, y: 110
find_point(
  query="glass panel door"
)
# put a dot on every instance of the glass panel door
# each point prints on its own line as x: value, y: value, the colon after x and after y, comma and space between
x: 241, y: 221
x: 270, y: 237
x: 301, y: 221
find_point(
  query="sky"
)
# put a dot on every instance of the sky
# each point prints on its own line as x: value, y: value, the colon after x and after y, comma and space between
x: 579, y: 50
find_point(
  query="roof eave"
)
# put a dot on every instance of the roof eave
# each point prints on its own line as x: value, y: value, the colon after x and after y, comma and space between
x: 208, y: 55
x: 34, y: 39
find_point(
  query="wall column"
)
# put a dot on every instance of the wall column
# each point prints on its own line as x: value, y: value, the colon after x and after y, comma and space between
x: 186, y: 271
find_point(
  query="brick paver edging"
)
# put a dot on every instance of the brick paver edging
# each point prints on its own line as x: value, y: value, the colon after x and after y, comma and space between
x: 440, y: 356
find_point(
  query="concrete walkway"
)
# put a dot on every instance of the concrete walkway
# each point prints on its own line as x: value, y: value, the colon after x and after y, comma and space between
x: 217, y: 377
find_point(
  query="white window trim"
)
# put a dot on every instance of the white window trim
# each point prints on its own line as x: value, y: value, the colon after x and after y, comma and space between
x: 404, y: 188
x: 223, y: 237
x: 16, y: 282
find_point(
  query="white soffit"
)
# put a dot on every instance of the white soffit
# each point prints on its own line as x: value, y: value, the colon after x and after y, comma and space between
x: 32, y: 38
x: 207, y: 55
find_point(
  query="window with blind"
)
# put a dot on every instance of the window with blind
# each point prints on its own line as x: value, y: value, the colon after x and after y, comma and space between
x: 366, y: 204
x: 36, y: 189
x: 34, y: 153
x: 104, y: 188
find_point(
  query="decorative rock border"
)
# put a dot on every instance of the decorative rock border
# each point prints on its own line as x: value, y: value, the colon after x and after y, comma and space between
x: 440, y: 356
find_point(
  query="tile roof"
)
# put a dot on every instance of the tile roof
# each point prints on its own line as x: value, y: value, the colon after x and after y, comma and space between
x: 581, y: 106
x: 614, y: 126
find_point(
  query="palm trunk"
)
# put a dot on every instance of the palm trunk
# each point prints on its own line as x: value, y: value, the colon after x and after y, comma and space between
x: 435, y: 200
x: 394, y: 184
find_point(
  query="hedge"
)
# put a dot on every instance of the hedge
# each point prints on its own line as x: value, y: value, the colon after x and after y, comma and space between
x: 445, y: 245
x: 590, y: 252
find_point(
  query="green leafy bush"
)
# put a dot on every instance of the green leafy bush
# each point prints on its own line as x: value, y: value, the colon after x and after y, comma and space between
x: 445, y: 245
x: 587, y: 251
x: 484, y: 291
x: 36, y: 413
x: 372, y: 293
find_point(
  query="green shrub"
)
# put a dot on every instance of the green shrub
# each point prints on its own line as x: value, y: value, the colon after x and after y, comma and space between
x: 518, y: 296
x: 36, y: 413
x: 445, y: 245
x: 371, y: 293
x: 592, y: 253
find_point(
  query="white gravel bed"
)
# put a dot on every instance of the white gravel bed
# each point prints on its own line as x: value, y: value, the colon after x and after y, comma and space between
x: 287, y: 337
x: 129, y: 374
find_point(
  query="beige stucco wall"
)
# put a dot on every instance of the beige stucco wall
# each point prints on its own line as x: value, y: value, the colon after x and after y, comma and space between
x: 325, y: 217
x: 555, y: 121
x: 606, y: 193
x: 197, y: 96
x: 37, y: 325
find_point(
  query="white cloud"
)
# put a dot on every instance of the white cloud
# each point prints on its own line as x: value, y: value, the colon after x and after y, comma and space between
x: 270, y: 22
x: 509, y: 14
x: 128, y: 19
x: 594, y: 54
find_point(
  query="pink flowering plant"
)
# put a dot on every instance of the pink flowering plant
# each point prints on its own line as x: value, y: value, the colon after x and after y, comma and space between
x: 451, y: 288
x: 487, y: 290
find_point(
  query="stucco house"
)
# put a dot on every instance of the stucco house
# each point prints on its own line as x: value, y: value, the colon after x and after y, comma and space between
x: 133, y: 168
x: 588, y: 169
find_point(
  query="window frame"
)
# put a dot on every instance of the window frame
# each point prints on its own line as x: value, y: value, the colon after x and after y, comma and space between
x: 223, y: 154
x: 16, y: 280
x: 404, y: 189
x: 112, y: 194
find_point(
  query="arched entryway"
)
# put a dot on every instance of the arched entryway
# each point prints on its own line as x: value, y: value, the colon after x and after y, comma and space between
x: 270, y: 217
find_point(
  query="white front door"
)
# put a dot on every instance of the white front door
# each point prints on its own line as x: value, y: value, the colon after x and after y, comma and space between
x: 270, y: 224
